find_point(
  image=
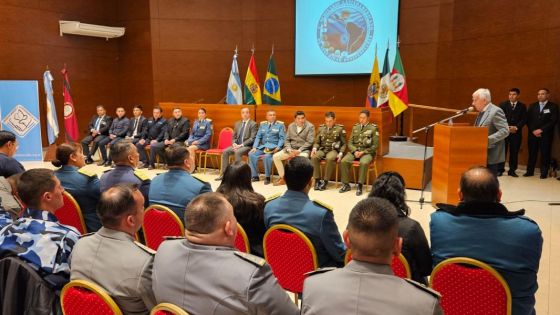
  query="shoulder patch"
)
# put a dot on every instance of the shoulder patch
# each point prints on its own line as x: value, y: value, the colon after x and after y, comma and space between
x: 87, y: 234
x: 340, y: 125
x: 145, y: 248
x: 280, y: 122
x: 199, y: 178
x: 86, y: 172
x: 322, y: 204
x: 264, y: 122
x: 322, y: 125
x: 320, y: 271
x: 272, y: 197
x: 356, y: 124
x: 423, y: 288
x: 141, y: 175
x: 169, y: 237
x: 251, y: 258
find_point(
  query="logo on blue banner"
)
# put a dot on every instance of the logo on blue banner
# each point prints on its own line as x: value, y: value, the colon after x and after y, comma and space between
x: 20, y: 120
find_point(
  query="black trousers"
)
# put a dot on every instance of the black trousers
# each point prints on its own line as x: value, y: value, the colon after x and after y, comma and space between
x: 89, y: 139
x: 513, y: 144
x: 543, y: 144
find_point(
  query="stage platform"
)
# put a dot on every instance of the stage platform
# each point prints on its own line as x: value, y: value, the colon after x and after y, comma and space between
x: 406, y: 158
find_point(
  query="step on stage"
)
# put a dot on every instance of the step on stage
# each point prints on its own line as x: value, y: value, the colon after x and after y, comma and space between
x: 407, y: 158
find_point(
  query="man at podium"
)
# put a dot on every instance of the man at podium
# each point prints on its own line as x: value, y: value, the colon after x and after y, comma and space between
x: 493, y: 117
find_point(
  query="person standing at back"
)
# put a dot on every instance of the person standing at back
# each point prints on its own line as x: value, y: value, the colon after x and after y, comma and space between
x: 516, y: 115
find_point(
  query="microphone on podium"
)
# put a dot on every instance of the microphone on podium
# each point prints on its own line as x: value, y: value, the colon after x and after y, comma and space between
x: 328, y: 100
x: 466, y: 110
x: 198, y: 101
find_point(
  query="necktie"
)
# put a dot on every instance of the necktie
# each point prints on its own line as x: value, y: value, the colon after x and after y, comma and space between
x: 97, y: 123
x: 135, y: 127
x: 478, y: 118
x: 242, y: 132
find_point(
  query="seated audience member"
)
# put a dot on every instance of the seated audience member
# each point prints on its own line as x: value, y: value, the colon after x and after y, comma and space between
x: 153, y: 132
x: 112, y: 258
x: 201, y: 132
x: 415, y: 248
x: 244, y: 133
x: 299, y: 142
x: 269, y: 140
x: 177, y: 187
x: 136, y: 125
x: 125, y: 155
x: 313, y: 218
x: 480, y: 227
x: 82, y: 184
x: 8, y: 147
x: 9, y: 199
x: 98, y: 130
x: 117, y: 132
x: 177, y: 131
x: 37, y: 237
x: 367, y: 284
x: 204, y: 274
x: 248, y: 205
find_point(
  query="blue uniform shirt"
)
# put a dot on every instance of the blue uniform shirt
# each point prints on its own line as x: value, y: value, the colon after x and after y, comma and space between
x: 9, y: 166
x: 270, y: 136
x: 5, y: 218
x: 41, y: 241
x: 84, y: 187
x: 126, y: 174
x: 315, y: 221
x: 201, y: 132
x: 175, y: 189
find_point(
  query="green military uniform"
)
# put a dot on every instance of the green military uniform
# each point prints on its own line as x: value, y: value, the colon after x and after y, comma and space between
x: 364, y: 139
x: 328, y: 143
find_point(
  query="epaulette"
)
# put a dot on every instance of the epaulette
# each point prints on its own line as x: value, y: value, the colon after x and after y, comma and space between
x: 251, y: 258
x: 169, y: 237
x: 272, y: 197
x: 356, y: 124
x: 199, y: 178
x: 87, y: 234
x: 87, y: 172
x: 280, y: 122
x: 145, y: 248
x: 264, y: 122
x: 424, y: 288
x: 141, y: 175
x: 320, y: 271
x: 322, y: 125
x: 340, y: 125
x: 324, y: 205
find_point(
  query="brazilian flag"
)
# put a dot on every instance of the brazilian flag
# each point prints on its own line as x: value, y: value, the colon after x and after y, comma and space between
x: 271, y: 85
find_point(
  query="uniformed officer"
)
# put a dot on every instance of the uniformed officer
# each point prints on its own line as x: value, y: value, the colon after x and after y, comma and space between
x: 330, y: 144
x: 313, y: 218
x: 153, y: 132
x: 8, y: 196
x: 126, y: 157
x: 362, y: 145
x: 204, y: 274
x: 177, y: 187
x: 269, y: 140
x: 372, y: 234
x: 81, y: 183
x: 111, y: 258
x: 117, y: 132
x: 37, y: 237
x: 200, y: 136
x: 8, y: 147
x: 98, y: 130
x: 177, y: 131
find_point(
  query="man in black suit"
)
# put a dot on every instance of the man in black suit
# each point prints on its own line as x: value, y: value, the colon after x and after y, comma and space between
x: 98, y: 130
x: 541, y: 119
x: 516, y: 115
x: 177, y: 131
x: 137, y: 124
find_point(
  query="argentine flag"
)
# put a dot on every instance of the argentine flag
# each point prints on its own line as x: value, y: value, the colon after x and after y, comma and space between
x: 52, y: 121
x: 234, y: 94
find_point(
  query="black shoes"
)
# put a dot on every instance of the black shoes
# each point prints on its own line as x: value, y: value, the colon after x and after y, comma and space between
x: 317, y: 184
x: 267, y: 180
x: 528, y: 174
x: 255, y: 179
x: 151, y: 167
x: 512, y: 174
x: 544, y: 176
x: 89, y: 161
x: 359, y: 189
x: 107, y: 163
x: 324, y: 184
x: 345, y: 187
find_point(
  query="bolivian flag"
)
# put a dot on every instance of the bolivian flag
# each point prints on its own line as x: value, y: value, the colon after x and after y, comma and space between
x: 252, y: 89
x: 272, y: 84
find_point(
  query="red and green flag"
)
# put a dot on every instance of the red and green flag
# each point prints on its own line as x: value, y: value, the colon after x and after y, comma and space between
x: 398, y: 96
x: 70, y: 120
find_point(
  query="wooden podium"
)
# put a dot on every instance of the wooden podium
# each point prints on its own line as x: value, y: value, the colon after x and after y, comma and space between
x: 456, y: 148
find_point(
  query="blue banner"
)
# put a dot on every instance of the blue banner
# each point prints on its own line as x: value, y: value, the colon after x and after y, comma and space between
x: 19, y: 108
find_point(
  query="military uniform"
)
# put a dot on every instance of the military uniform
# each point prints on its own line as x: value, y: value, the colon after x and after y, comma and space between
x: 175, y: 189
x: 5, y: 218
x: 217, y: 280
x: 330, y: 144
x: 40, y: 240
x: 121, y: 266
x: 126, y: 174
x: 366, y: 289
x: 365, y: 139
x: 9, y: 166
x: 154, y: 129
x: 83, y: 185
x: 201, y: 132
x: 269, y: 137
x: 7, y: 200
x: 314, y: 219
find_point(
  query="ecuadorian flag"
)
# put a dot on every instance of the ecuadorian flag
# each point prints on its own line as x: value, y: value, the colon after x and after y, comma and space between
x: 374, y: 83
x: 252, y: 89
x: 272, y: 84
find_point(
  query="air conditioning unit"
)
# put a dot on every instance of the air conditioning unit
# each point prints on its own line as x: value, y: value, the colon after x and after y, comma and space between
x: 78, y: 28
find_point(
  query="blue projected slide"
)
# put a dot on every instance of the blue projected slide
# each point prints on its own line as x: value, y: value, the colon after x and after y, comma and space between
x: 339, y: 37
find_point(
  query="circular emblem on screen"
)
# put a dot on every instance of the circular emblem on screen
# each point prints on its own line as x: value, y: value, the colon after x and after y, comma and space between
x: 68, y: 110
x: 272, y: 85
x: 397, y: 82
x: 345, y: 30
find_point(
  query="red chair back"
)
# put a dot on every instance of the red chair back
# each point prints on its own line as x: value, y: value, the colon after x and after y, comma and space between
x: 81, y: 297
x: 225, y: 138
x: 399, y: 264
x: 241, y: 240
x: 159, y: 222
x: 469, y: 286
x: 71, y: 214
x: 290, y: 254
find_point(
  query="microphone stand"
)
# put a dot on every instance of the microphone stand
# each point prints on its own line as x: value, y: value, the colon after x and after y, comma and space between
x: 426, y: 130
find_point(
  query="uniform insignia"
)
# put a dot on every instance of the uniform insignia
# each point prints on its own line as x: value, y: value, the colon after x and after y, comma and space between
x: 169, y: 237
x: 280, y: 122
x: 199, y: 178
x: 251, y: 258
x: 264, y: 122
x: 141, y: 175
x: 145, y: 248
x: 272, y: 197
x: 87, y: 234
x: 86, y: 172
x: 324, y: 205
x: 320, y: 271
x: 424, y: 288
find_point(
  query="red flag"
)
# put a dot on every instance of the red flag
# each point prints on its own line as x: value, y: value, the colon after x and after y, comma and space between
x: 70, y: 120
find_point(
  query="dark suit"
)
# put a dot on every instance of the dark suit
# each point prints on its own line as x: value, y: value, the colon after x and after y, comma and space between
x: 103, y: 124
x: 516, y: 117
x: 244, y: 136
x: 177, y: 129
x: 544, y: 120
x: 154, y: 129
x: 135, y: 128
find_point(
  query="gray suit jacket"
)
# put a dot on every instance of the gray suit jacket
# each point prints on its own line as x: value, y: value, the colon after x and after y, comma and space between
x: 495, y: 119
x: 302, y: 141
x: 250, y: 133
